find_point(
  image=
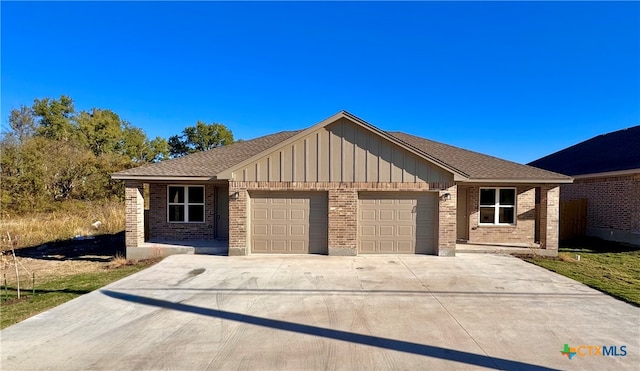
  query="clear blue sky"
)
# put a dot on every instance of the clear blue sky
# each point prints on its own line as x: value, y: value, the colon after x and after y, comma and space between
x: 513, y: 80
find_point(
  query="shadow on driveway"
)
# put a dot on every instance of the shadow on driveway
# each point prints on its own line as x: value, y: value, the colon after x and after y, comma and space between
x: 397, y: 345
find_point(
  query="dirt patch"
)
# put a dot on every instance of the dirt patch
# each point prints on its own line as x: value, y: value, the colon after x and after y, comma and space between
x: 62, y: 258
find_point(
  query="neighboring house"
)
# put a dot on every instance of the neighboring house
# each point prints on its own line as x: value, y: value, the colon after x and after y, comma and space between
x: 342, y: 187
x: 606, y: 169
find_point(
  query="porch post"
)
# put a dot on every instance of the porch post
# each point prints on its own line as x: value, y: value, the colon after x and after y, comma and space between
x: 447, y: 221
x: 549, y: 216
x: 238, y: 211
x: 134, y: 205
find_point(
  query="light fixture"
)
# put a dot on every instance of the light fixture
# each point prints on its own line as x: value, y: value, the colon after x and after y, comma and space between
x: 235, y: 195
x: 446, y: 197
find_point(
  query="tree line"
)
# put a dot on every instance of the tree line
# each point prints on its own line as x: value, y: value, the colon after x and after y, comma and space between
x: 50, y: 152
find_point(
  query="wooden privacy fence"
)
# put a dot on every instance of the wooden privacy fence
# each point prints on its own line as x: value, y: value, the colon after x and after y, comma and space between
x: 573, y: 218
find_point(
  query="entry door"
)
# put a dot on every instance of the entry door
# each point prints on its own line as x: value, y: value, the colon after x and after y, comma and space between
x: 462, y: 219
x: 222, y: 213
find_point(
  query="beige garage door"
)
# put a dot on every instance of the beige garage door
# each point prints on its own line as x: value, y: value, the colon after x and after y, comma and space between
x: 289, y: 222
x: 397, y: 223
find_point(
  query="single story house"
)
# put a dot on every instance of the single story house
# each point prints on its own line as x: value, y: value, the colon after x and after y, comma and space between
x: 342, y: 187
x: 606, y: 170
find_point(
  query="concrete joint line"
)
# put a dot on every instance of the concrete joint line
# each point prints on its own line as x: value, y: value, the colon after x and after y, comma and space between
x: 248, y: 311
x: 449, y: 313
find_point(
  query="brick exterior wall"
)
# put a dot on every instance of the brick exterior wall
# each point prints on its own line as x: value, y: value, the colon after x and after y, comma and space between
x: 612, y: 202
x: 134, y: 218
x: 549, y: 216
x: 343, y: 215
x: 523, y: 232
x: 343, y: 201
x: 343, y: 221
x: 447, y: 222
x: 238, y: 219
x: 161, y: 229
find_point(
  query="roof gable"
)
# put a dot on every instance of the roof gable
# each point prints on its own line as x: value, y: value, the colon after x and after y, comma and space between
x: 342, y: 117
x: 341, y: 151
x: 615, y: 151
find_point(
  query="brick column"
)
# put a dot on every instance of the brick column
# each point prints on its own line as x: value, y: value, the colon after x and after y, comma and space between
x: 549, y: 216
x: 238, y: 224
x: 134, y: 220
x: 343, y: 222
x: 447, y: 222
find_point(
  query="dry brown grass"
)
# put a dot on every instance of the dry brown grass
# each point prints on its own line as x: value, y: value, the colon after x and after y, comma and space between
x: 73, y: 219
x: 120, y: 261
x: 565, y: 257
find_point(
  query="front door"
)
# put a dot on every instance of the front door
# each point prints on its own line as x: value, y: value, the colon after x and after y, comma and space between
x: 222, y: 213
x: 462, y: 220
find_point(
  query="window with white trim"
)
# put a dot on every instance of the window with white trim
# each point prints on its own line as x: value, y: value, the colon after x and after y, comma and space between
x: 186, y: 204
x: 497, y: 206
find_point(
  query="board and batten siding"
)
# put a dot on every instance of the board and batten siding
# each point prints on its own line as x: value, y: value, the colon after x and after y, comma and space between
x: 342, y: 152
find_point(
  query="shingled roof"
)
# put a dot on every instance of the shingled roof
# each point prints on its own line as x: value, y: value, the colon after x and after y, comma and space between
x: 208, y: 163
x: 468, y: 165
x: 615, y: 151
x: 476, y: 165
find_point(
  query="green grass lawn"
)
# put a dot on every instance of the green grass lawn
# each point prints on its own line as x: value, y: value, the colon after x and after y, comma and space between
x: 609, y: 267
x: 55, y: 292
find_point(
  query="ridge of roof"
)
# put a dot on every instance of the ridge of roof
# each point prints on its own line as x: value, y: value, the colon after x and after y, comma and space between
x: 617, y: 150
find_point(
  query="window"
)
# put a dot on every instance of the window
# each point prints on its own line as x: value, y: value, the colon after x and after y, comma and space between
x: 497, y: 205
x: 186, y: 204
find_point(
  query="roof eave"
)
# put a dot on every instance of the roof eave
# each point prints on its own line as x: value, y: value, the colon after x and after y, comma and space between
x: 607, y: 174
x: 164, y: 178
x: 520, y: 181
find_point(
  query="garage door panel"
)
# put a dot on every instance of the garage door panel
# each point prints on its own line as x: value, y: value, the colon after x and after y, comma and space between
x: 260, y: 214
x: 386, y: 231
x: 405, y: 247
x: 405, y: 215
x: 386, y: 246
x: 278, y: 214
x: 396, y: 222
x: 387, y: 215
x: 260, y: 246
x: 368, y: 215
x: 368, y: 230
x: 405, y: 231
x: 289, y: 222
x: 299, y: 215
x: 367, y: 246
x: 298, y: 246
x: 279, y: 246
x: 278, y: 230
x: 260, y: 229
x: 298, y: 230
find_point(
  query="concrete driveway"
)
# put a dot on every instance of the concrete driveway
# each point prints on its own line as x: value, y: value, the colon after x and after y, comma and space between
x: 193, y: 312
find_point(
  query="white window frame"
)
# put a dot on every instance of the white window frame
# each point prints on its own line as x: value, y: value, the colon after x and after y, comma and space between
x: 497, y: 206
x: 186, y: 203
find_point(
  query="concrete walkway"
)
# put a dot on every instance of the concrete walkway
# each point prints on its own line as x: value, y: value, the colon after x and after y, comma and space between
x: 193, y: 312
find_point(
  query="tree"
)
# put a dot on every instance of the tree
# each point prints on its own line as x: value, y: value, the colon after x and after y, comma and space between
x: 55, y: 117
x: 139, y: 148
x: 22, y: 123
x: 200, y: 137
x: 100, y: 130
